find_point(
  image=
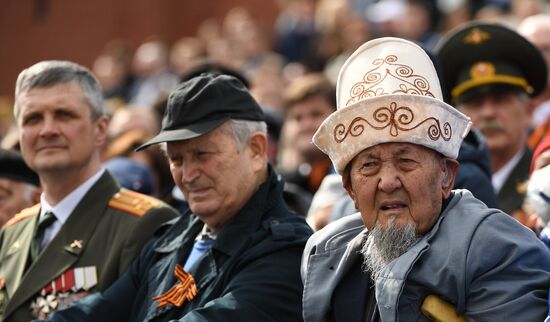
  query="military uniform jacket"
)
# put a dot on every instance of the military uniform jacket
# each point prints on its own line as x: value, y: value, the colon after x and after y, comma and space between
x: 95, y: 246
x: 482, y: 261
x: 251, y: 273
x: 511, y: 197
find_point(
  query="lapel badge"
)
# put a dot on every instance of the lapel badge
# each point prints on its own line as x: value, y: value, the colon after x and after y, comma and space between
x: 2, y: 282
x: 14, y: 247
x: 77, y: 244
x: 185, y: 289
x: 75, y: 247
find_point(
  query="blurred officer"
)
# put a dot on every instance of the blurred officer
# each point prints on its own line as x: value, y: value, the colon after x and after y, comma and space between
x: 489, y: 73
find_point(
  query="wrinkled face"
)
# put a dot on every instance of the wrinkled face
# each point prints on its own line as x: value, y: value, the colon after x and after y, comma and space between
x: 405, y: 181
x: 502, y: 119
x: 14, y: 197
x: 216, y: 176
x: 56, y: 131
x: 303, y: 119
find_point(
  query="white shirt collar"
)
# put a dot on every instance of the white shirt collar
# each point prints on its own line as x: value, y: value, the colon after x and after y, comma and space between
x: 500, y: 176
x: 66, y: 206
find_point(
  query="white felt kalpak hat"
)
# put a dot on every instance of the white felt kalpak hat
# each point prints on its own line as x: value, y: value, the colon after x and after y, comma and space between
x: 388, y: 91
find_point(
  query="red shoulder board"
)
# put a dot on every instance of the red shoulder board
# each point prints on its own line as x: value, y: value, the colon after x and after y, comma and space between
x: 25, y: 213
x: 133, y: 203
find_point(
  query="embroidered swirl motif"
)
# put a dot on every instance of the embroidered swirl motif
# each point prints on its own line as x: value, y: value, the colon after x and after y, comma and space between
x: 397, y: 118
x: 386, y: 68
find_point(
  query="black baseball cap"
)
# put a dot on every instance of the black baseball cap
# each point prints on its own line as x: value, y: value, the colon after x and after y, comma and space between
x: 202, y: 104
x: 12, y: 166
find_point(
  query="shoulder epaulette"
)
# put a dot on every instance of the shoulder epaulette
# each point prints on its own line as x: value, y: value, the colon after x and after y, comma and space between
x: 25, y: 213
x: 132, y: 202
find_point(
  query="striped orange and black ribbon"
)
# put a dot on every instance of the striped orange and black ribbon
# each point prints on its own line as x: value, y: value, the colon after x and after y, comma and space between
x: 185, y: 289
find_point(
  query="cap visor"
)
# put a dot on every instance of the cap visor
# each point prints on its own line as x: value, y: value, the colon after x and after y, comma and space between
x: 185, y: 133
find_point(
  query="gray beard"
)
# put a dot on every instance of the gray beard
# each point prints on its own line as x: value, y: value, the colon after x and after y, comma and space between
x: 383, y: 245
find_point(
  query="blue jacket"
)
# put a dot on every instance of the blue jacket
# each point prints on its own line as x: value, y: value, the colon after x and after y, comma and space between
x: 474, y: 173
x: 252, y: 273
x: 482, y: 261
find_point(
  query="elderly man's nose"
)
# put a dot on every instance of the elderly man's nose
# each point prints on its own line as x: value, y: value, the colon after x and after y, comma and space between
x: 389, y: 180
x: 190, y: 172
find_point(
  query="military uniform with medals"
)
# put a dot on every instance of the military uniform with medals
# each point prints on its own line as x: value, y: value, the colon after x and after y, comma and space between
x: 97, y: 243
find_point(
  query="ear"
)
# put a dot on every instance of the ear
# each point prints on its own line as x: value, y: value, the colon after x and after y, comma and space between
x: 101, y: 125
x: 450, y: 168
x: 257, y: 147
x: 346, y: 182
x: 35, y: 196
x: 531, y: 106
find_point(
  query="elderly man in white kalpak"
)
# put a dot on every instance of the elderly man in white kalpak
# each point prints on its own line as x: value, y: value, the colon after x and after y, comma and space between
x: 415, y: 246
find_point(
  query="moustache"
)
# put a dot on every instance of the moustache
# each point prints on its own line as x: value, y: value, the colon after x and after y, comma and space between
x: 491, y: 126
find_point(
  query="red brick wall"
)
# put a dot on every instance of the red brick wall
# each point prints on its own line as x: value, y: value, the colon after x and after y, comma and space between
x: 34, y: 30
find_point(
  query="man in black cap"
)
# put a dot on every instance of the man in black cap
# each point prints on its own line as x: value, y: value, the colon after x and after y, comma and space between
x: 19, y: 185
x: 236, y: 255
x: 489, y: 72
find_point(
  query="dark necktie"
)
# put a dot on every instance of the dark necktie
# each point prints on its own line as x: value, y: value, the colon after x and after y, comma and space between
x: 46, y: 221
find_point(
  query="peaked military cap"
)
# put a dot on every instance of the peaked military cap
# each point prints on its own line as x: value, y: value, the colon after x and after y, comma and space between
x: 477, y: 58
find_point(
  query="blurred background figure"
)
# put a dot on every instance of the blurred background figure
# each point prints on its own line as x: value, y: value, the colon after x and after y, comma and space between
x: 19, y: 185
x: 295, y: 30
x: 538, y: 200
x: 418, y: 21
x: 351, y: 31
x: 537, y: 203
x: 153, y: 77
x: 124, y: 145
x: 128, y: 118
x: 537, y: 30
x: 541, y: 156
x: 327, y: 196
x: 308, y: 101
x: 132, y: 175
x: 186, y: 54
x: 113, y: 71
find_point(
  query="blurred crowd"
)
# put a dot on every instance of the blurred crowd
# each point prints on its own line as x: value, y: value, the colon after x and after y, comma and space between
x: 292, y: 73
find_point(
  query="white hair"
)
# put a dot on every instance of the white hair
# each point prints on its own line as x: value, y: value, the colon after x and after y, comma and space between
x: 241, y: 130
x: 383, y: 245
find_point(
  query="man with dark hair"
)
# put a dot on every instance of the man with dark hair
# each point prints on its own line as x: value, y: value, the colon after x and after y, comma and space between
x: 86, y: 230
x: 238, y: 257
x: 309, y: 99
